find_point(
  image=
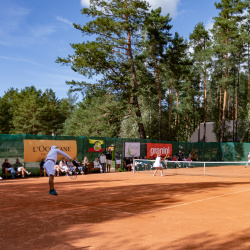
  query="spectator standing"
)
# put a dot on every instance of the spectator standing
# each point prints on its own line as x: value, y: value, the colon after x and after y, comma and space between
x: 109, y: 160
x: 180, y: 156
x: 194, y: 156
x: 103, y: 162
x: 118, y: 159
x: 6, y: 165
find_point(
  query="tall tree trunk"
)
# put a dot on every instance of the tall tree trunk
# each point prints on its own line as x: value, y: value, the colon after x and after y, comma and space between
x: 220, y: 103
x: 159, y: 96
x: 248, y: 52
x: 199, y: 130
x: 236, y: 106
x: 233, y: 113
x: 205, y: 101
x: 141, y: 129
x: 187, y: 127
x: 225, y: 96
x: 177, y: 105
x: 170, y: 105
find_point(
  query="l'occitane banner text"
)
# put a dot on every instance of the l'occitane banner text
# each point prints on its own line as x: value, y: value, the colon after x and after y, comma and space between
x: 36, y: 150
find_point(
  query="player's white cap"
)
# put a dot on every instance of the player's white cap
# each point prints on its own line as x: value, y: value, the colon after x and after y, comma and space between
x: 54, y: 147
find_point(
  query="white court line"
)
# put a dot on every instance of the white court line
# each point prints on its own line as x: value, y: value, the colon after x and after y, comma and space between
x: 191, y: 202
x: 134, y: 203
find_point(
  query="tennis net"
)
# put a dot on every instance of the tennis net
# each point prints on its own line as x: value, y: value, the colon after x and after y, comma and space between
x: 230, y: 169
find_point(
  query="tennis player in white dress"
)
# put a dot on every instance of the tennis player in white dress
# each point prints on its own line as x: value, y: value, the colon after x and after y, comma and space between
x: 157, y: 165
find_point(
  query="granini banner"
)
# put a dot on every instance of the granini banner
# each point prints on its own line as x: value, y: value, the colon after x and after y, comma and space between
x: 158, y: 148
x: 96, y: 145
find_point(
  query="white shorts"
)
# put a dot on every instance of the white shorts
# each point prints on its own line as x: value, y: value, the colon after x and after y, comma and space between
x: 109, y: 162
x: 49, y: 167
x: 64, y: 169
x: 19, y: 169
x: 118, y: 161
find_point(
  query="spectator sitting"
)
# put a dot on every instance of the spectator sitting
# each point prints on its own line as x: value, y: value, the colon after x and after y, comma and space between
x: 6, y: 165
x: 85, y: 164
x: 57, y: 169
x: 174, y: 158
x: 20, y: 168
x: 71, y: 167
x: 42, y: 163
x: 76, y: 163
x: 97, y: 164
x: 127, y: 164
x: 63, y: 166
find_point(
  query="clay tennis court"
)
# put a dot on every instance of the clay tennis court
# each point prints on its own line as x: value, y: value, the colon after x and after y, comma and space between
x: 127, y: 211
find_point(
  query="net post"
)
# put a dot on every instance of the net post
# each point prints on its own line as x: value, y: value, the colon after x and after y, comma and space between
x: 133, y: 165
x: 204, y: 173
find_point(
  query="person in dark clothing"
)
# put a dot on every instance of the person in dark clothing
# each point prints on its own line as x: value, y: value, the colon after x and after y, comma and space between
x: 109, y: 160
x: 180, y: 156
x: 6, y: 165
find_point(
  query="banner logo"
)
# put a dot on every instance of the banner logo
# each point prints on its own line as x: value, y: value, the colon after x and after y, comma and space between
x: 158, y: 148
x: 36, y: 150
x: 132, y: 149
x: 95, y: 145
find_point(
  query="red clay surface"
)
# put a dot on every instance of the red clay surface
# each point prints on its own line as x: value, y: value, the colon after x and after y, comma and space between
x: 126, y: 211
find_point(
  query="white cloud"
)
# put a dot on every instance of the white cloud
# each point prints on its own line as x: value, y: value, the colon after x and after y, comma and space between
x: 209, y: 24
x: 64, y: 20
x: 167, y: 6
x: 42, y: 31
x: 85, y: 3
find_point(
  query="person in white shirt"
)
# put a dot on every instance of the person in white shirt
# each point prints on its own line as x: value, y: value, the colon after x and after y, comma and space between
x: 103, y: 162
x: 49, y: 164
x: 97, y: 164
x: 248, y: 159
x: 63, y: 165
x: 157, y: 165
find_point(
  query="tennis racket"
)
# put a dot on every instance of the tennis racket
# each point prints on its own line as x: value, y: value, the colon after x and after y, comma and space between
x: 72, y: 175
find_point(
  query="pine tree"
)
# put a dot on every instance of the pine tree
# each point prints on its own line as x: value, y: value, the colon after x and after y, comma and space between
x: 200, y: 42
x: 117, y: 26
x: 225, y: 30
x: 158, y: 37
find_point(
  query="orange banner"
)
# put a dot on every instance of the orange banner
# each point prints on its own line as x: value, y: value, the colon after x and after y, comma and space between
x: 36, y: 150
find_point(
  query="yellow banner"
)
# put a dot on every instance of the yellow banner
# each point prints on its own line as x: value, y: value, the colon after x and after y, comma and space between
x: 91, y: 141
x: 36, y: 150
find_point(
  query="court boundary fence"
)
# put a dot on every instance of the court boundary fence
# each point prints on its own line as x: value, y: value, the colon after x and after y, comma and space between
x: 12, y: 146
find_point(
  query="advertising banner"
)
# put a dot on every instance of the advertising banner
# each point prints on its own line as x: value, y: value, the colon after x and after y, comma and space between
x: 132, y: 149
x: 158, y: 148
x: 96, y: 145
x: 36, y: 150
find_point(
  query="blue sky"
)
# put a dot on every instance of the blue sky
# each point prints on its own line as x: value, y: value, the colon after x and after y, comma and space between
x: 34, y: 33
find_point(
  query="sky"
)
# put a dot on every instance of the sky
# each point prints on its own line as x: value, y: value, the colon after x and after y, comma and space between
x: 33, y: 34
